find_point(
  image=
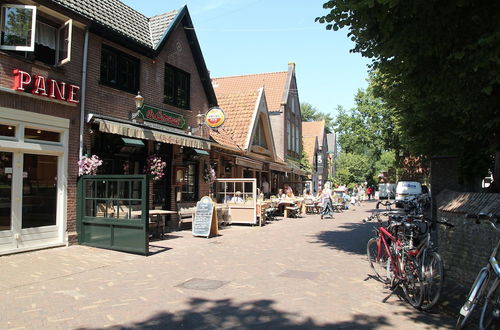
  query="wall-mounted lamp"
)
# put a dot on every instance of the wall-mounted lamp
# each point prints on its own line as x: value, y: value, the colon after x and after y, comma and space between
x: 139, y: 101
x: 200, y: 118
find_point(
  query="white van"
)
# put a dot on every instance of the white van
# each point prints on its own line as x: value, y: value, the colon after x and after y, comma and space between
x: 386, y: 190
x: 407, y: 189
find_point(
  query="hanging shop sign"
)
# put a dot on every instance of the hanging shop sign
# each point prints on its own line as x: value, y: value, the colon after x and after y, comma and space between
x: 43, y: 86
x: 215, y: 117
x: 160, y: 116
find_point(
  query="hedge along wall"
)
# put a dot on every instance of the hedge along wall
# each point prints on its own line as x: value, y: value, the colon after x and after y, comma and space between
x: 466, y: 247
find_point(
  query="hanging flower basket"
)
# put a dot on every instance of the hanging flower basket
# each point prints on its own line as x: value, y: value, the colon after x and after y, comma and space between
x: 88, y: 165
x: 209, y: 174
x: 155, y: 167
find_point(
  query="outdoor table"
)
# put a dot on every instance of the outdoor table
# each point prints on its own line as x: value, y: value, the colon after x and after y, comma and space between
x: 286, y: 202
x: 156, y: 216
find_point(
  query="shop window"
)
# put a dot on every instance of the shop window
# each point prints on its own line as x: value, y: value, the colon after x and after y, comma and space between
x: 7, y: 130
x: 119, y: 70
x: 177, y: 84
x: 45, y: 41
x: 189, y: 191
x: 42, y: 135
x: 18, y: 27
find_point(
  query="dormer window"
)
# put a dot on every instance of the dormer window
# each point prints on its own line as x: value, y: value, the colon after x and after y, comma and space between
x: 42, y: 39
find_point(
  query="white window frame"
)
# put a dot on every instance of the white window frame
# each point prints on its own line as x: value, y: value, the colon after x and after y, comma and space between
x: 33, y: 28
x: 69, y: 24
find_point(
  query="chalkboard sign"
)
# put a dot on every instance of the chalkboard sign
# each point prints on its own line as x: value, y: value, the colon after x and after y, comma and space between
x: 205, y: 219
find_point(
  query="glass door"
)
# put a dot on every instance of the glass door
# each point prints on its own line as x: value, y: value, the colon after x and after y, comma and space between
x: 39, y: 208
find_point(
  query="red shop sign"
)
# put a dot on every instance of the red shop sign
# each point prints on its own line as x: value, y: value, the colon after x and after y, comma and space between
x: 39, y: 85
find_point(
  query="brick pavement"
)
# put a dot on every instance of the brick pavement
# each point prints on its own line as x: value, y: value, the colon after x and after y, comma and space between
x: 291, y: 274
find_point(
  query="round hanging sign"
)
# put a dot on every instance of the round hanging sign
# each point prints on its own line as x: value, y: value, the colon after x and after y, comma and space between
x: 215, y: 117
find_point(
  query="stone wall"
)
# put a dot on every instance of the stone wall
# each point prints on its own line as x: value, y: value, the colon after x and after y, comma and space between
x: 466, y: 247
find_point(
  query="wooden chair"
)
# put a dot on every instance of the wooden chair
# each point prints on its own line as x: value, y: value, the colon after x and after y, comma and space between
x: 186, y: 211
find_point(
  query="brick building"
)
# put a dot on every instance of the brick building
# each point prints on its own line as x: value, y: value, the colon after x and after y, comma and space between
x: 41, y: 60
x: 70, y: 72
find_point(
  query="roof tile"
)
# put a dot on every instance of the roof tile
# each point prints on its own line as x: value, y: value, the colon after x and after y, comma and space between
x: 314, y: 128
x: 239, y: 109
x: 274, y: 84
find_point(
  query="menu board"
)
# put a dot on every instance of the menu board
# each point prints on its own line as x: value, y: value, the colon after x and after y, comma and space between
x: 205, y: 218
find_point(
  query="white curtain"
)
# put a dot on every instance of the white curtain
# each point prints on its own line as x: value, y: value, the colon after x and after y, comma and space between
x: 45, y: 35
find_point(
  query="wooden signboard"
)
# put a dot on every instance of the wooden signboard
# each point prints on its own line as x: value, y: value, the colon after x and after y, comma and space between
x: 205, y: 218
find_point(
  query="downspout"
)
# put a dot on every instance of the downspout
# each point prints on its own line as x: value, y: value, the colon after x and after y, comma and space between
x: 83, y: 89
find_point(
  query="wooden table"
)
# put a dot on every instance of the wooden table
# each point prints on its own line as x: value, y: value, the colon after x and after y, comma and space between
x: 157, y: 217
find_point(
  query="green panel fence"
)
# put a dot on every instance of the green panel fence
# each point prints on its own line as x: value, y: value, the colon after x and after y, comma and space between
x: 112, y: 212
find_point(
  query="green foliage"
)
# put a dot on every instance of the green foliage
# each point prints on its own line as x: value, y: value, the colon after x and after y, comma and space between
x: 352, y: 168
x: 310, y: 113
x: 304, y: 162
x: 438, y: 69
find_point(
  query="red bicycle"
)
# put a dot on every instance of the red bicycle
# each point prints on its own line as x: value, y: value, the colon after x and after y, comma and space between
x: 393, y: 257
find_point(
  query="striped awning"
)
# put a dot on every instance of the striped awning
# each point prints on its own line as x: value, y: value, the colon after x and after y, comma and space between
x: 113, y: 127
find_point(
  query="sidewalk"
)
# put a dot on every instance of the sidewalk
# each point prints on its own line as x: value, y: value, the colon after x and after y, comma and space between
x: 291, y: 274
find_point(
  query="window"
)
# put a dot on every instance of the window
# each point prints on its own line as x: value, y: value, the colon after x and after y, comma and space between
x: 289, y: 135
x: 297, y: 140
x: 47, y: 41
x: 43, y: 135
x: 177, y: 84
x: 188, y: 188
x: 259, y: 139
x: 7, y: 130
x: 119, y: 70
x: 18, y: 27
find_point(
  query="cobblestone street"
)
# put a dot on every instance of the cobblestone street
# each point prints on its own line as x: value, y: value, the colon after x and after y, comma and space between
x: 290, y: 274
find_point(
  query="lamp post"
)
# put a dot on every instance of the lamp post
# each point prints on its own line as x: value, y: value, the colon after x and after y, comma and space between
x: 139, y: 101
x: 200, y: 117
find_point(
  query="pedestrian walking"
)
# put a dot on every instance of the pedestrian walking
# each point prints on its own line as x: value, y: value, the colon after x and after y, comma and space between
x: 326, y: 199
x: 369, y: 192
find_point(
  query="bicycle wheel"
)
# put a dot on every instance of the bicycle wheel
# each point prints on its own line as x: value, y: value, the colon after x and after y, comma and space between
x: 490, y: 314
x: 413, y: 286
x: 378, y: 261
x: 432, y: 277
x: 472, y: 298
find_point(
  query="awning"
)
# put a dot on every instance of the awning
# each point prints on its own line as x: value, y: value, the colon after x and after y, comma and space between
x: 279, y: 167
x: 132, y: 142
x: 200, y: 152
x: 249, y: 163
x: 114, y: 127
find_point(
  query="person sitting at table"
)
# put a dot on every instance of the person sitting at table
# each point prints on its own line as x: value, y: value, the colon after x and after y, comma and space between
x: 289, y: 191
x: 281, y: 194
x: 237, y: 198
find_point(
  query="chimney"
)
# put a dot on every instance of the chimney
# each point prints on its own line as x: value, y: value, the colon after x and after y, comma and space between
x: 291, y: 66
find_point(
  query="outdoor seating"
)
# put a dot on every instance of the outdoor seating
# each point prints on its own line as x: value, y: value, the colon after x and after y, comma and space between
x: 293, y: 211
x: 311, y: 207
x: 186, y: 211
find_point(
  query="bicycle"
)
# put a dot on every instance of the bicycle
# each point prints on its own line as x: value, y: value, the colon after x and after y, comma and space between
x: 431, y: 264
x: 487, y: 276
x: 391, y: 251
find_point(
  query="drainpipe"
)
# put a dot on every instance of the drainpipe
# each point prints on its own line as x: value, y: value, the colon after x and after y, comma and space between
x: 83, y: 89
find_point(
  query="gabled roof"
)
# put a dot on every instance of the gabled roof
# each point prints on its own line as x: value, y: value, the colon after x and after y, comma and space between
x: 120, y: 18
x: 314, y: 128
x: 274, y: 84
x: 240, y: 110
x: 121, y: 24
x: 309, y: 144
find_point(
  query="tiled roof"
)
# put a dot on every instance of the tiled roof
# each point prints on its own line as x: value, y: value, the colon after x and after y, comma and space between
x: 274, y: 84
x: 122, y: 19
x: 314, y: 128
x: 309, y: 143
x: 239, y: 109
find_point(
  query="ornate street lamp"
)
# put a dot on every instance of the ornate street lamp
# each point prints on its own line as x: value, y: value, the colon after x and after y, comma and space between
x: 139, y: 101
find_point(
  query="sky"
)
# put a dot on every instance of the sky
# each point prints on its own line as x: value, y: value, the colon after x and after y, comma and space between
x: 240, y: 37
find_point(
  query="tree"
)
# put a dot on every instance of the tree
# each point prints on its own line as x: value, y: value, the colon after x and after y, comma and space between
x: 310, y: 113
x: 352, y: 168
x: 438, y: 68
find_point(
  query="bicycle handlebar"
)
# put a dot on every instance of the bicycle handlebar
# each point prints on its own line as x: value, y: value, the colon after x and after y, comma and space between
x: 485, y: 217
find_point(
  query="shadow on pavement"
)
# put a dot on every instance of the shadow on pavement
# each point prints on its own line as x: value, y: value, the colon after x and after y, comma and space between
x: 259, y: 314
x: 350, y: 238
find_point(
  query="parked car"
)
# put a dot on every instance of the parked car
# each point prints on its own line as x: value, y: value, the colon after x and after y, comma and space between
x: 407, y: 190
x: 386, y: 190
